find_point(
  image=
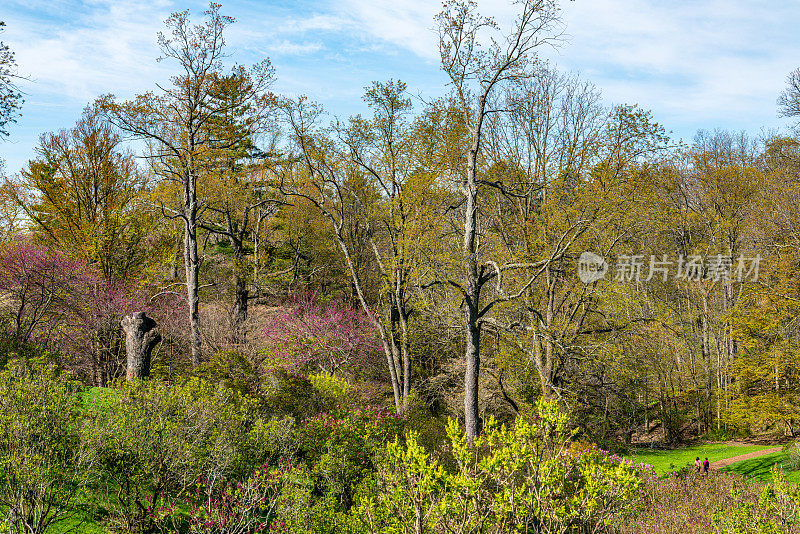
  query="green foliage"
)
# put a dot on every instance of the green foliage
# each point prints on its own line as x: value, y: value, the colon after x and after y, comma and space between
x: 46, y: 463
x: 339, y: 449
x: 528, y: 478
x: 229, y: 506
x: 292, y: 394
x: 431, y: 431
x: 154, y: 440
x: 742, y: 518
x: 12, y: 348
x: 330, y: 388
x: 782, y: 498
x: 232, y: 370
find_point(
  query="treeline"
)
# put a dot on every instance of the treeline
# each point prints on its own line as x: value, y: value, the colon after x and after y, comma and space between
x: 445, y: 237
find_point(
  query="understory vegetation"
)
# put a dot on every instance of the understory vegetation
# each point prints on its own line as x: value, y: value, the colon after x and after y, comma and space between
x: 199, y: 456
x: 510, y: 309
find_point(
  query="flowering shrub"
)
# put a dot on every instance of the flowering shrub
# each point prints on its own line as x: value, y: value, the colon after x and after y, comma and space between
x: 720, y: 503
x: 229, y: 506
x: 333, y: 338
x: 42, y: 289
x: 61, y: 303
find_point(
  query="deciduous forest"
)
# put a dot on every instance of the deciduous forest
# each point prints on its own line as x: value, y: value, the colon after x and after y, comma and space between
x: 229, y: 310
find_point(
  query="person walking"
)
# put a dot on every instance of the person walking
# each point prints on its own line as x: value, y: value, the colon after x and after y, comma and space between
x: 698, y: 465
x: 706, y: 466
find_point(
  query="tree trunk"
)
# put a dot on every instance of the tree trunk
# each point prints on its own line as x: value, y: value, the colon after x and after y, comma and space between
x: 242, y: 295
x: 472, y: 420
x: 472, y: 288
x: 386, y: 341
x: 141, y: 335
x: 192, y: 264
x: 240, y: 289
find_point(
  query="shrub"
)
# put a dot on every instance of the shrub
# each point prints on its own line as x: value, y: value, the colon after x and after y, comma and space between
x: 717, y: 503
x: 46, y: 463
x: 329, y: 337
x: 155, y: 440
x: 781, y: 498
x: 229, y: 506
x: 232, y: 370
x: 291, y: 394
x: 339, y: 449
x: 522, y: 479
x: 743, y: 518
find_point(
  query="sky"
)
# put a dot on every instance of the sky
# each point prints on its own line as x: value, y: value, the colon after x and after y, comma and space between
x: 696, y: 64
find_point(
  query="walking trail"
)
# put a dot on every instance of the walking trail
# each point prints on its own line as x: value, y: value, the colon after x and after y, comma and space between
x: 728, y: 461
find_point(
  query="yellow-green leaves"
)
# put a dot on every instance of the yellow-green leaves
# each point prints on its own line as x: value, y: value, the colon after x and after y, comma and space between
x: 508, y: 479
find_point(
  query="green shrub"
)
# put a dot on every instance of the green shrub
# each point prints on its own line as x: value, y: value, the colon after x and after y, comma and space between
x: 339, y: 449
x: 291, y: 394
x: 232, y: 370
x: 215, y: 506
x: 743, y: 518
x: 154, y: 440
x: 331, y: 390
x: 781, y: 498
x: 46, y: 462
x: 528, y: 478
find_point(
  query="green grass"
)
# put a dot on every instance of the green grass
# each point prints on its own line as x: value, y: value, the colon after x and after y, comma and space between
x: 760, y: 467
x: 664, y: 461
x: 86, y: 526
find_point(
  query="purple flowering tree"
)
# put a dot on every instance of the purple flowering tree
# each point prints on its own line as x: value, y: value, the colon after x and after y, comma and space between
x: 331, y: 337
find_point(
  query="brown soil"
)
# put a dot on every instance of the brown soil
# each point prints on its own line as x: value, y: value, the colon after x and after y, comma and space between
x: 728, y: 461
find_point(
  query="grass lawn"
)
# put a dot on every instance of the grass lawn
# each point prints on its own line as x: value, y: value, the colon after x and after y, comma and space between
x: 87, y: 527
x: 665, y: 461
x: 760, y: 467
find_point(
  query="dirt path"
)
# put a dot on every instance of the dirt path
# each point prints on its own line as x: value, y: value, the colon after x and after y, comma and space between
x: 728, y: 461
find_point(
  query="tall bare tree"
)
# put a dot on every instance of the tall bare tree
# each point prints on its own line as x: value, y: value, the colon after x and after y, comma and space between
x: 476, y: 72
x: 175, y: 123
x: 330, y: 181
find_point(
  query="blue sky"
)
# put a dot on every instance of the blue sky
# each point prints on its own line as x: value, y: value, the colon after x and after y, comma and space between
x: 696, y: 64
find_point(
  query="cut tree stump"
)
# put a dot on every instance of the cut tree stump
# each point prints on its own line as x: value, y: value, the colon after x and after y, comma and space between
x: 141, y: 335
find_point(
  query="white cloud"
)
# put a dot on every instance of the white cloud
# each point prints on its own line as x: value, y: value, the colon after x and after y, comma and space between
x: 715, y: 60
x: 107, y: 46
x: 695, y: 63
x: 701, y: 62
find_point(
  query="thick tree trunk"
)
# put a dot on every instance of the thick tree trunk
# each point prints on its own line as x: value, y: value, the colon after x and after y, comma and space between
x: 141, y: 335
x: 192, y: 264
x: 472, y: 288
x: 472, y: 421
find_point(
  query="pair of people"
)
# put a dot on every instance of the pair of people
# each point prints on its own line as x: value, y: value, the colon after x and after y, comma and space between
x: 702, y: 467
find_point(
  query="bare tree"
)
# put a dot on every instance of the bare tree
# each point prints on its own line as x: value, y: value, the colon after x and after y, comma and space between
x: 323, y: 176
x: 178, y: 126
x: 476, y: 72
x: 543, y: 146
x: 789, y: 99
